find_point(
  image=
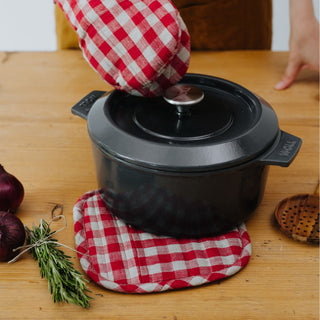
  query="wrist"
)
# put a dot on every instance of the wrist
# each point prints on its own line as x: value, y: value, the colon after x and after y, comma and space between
x: 302, y: 17
x: 301, y: 10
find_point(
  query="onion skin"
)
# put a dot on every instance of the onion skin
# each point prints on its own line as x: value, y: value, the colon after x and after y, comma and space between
x: 12, y: 235
x: 11, y: 191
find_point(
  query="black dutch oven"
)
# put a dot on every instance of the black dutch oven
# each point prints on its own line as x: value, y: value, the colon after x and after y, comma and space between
x: 193, y: 163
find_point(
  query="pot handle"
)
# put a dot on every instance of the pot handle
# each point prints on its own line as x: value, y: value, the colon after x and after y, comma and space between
x: 83, y: 107
x: 283, y: 151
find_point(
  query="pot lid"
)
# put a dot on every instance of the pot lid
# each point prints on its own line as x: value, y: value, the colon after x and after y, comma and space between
x: 203, y: 123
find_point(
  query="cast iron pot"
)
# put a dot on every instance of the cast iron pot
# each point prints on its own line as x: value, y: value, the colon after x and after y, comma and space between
x: 193, y: 163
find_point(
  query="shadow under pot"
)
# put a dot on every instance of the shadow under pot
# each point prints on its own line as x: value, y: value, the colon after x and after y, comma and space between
x: 192, y: 163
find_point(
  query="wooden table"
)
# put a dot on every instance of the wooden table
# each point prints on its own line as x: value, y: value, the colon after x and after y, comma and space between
x: 48, y: 149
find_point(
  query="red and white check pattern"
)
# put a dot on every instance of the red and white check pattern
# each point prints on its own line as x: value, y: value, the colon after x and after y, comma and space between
x: 138, y: 46
x: 124, y: 259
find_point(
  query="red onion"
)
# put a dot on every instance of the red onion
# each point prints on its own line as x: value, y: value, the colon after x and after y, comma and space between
x: 12, y: 235
x: 11, y: 191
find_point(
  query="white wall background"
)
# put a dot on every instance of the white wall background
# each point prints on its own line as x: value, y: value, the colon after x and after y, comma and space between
x: 29, y: 25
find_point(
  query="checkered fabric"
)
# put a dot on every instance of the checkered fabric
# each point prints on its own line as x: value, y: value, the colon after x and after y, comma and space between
x: 137, y: 46
x: 121, y: 258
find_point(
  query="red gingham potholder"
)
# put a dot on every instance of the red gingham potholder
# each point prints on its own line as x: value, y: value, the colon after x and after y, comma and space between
x: 121, y: 258
x: 138, y: 46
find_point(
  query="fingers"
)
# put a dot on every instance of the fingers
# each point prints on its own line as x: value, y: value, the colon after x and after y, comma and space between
x: 291, y: 73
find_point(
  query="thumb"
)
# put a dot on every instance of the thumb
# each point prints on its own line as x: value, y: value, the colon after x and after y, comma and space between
x: 293, y: 68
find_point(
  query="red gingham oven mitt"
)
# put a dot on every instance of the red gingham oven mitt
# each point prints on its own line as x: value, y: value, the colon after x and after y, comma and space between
x: 121, y: 258
x: 137, y: 46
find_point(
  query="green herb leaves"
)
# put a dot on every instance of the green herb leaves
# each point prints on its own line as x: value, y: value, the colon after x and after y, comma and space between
x: 64, y: 282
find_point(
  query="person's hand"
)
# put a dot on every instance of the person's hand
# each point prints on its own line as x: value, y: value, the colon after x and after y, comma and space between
x: 304, y: 49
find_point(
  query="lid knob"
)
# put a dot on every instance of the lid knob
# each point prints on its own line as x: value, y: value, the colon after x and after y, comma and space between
x: 183, y: 96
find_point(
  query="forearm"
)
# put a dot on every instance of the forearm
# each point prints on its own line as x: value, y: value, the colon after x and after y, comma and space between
x: 304, y: 33
x: 301, y: 11
x: 302, y: 8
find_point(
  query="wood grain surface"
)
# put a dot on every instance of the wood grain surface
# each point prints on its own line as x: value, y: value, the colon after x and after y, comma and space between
x: 48, y: 149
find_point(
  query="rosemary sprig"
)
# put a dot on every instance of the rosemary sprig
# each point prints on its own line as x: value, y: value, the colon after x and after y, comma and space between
x: 64, y: 282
